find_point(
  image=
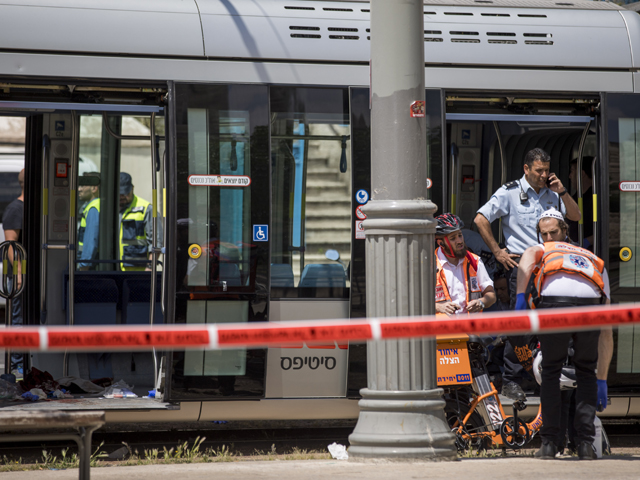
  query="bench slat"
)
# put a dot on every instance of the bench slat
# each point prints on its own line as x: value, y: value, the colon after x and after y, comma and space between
x: 51, y: 419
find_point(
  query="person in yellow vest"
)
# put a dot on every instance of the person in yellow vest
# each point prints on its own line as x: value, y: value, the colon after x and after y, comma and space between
x: 558, y: 274
x: 89, y: 223
x: 462, y: 282
x: 136, y: 228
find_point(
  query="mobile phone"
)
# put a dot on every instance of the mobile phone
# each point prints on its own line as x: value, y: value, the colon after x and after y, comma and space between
x: 549, y: 180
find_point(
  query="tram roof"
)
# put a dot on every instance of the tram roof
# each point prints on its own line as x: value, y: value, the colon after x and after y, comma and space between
x: 575, y: 34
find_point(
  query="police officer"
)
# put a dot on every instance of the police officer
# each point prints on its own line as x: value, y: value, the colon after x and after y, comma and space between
x: 462, y: 282
x: 519, y: 204
x: 89, y: 223
x: 559, y: 274
x: 136, y: 227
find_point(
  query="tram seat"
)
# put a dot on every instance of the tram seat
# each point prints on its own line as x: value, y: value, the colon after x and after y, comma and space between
x: 323, y: 275
x: 95, y: 300
x: 230, y: 273
x: 136, y: 294
x: 281, y: 275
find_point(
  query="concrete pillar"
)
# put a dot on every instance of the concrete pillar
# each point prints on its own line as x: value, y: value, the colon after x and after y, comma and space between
x: 402, y: 410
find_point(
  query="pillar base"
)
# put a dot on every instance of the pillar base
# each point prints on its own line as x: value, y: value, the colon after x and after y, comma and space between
x: 401, y: 426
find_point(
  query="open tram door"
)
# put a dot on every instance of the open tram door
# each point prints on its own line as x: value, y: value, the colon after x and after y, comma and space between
x: 486, y: 147
x: 73, y: 149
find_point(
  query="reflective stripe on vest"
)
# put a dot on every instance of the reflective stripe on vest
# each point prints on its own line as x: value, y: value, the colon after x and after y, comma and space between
x: 470, y: 267
x: 563, y: 257
x: 133, y: 239
x: 95, y: 203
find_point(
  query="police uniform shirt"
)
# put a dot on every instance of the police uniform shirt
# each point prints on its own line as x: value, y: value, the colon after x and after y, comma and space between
x: 562, y: 284
x: 519, y: 219
x: 456, y: 282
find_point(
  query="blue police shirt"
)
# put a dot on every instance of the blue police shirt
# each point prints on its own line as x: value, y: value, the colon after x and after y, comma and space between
x: 90, y: 241
x: 519, y: 219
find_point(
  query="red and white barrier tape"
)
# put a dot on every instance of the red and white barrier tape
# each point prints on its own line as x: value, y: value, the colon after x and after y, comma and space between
x: 238, y: 335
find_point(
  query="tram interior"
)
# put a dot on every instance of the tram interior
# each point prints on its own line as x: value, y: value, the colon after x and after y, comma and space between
x: 486, y: 153
x: 104, y: 292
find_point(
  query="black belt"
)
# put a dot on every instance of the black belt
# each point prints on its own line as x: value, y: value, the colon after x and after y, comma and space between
x: 573, y: 300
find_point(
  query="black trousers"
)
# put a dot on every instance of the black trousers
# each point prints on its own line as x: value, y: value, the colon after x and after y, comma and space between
x: 554, y: 348
x: 518, y: 360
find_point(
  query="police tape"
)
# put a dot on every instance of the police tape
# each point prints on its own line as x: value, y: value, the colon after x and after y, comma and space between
x: 278, y: 334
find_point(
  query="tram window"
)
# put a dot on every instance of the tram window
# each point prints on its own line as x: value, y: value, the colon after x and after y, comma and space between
x: 221, y: 170
x: 222, y: 216
x: 221, y: 362
x: 10, y: 189
x: 311, y: 190
x: 99, y: 202
x: 12, y: 137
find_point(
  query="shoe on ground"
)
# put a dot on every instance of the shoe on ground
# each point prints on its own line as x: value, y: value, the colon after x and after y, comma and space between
x: 586, y: 451
x: 514, y: 391
x: 547, y: 452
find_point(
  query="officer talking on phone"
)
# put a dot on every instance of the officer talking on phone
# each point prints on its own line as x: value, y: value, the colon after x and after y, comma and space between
x: 519, y: 204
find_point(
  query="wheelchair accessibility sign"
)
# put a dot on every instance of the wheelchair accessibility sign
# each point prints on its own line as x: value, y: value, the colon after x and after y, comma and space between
x: 260, y: 233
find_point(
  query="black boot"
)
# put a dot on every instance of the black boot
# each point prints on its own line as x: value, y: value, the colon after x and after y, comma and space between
x: 586, y: 451
x: 547, y: 451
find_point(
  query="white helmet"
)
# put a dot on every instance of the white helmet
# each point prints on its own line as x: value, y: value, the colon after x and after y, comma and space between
x: 567, y: 375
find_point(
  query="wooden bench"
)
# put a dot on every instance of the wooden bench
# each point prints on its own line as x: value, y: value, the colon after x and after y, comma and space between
x: 84, y: 423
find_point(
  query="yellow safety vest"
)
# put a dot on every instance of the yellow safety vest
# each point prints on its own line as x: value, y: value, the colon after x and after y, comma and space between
x: 95, y: 203
x: 133, y: 239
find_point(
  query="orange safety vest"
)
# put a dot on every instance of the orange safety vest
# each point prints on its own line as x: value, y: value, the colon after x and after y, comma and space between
x: 563, y: 257
x: 470, y: 266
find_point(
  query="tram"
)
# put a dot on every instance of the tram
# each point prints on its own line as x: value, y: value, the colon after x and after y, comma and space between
x: 247, y: 126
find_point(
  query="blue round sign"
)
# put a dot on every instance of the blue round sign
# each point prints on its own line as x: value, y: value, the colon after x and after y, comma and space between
x: 362, y: 196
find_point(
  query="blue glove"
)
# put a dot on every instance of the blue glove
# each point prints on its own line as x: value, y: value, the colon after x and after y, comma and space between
x: 601, y: 404
x: 521, y: 303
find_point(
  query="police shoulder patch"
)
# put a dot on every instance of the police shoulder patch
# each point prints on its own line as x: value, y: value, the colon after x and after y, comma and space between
x: 510, y: 185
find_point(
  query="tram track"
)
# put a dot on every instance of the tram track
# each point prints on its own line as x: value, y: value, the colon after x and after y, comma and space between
x: 239, y: 442
x: 243, y: 439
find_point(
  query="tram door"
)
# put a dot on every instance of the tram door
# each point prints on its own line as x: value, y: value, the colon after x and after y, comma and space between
x: 99, y: 207
x: 620, y: 233
x: 219, y: 207
x: 489, y: 151
x: 262, y: 201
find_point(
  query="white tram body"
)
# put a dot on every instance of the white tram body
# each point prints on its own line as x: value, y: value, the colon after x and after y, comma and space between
x: 485, y: 56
